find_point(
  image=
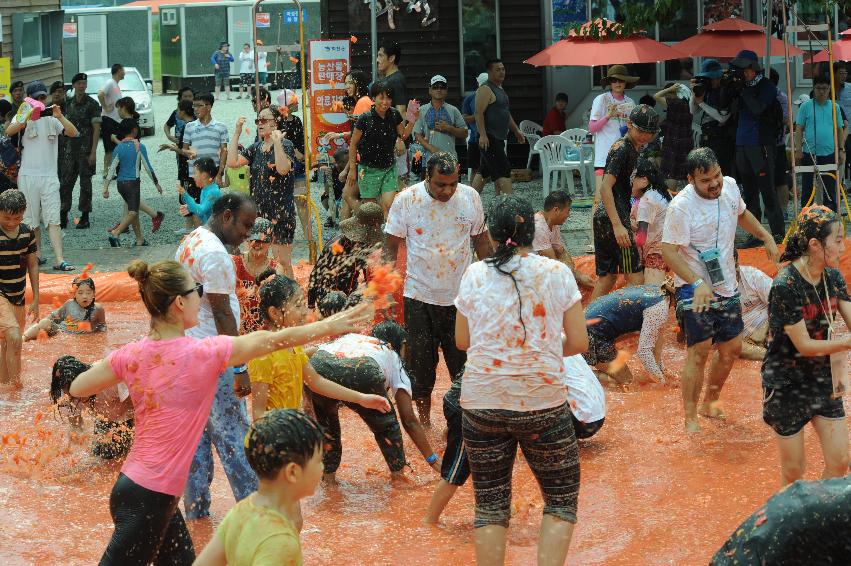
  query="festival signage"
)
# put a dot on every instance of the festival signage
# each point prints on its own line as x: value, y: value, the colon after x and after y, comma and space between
x: 329, y: 63
x: 263, y: 20
x: 5, y: 78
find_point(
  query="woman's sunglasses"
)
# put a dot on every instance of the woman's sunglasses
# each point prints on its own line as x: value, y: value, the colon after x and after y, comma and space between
x: 259, y: 121
x: 198, y: 288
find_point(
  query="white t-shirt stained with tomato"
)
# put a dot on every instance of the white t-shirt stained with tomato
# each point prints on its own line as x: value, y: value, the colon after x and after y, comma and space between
x: 437, y: 235
x: 209, y: 263
x: 546, y: 238
x: 697, y: 224
x: 360, y: 346
x: 507, y: 369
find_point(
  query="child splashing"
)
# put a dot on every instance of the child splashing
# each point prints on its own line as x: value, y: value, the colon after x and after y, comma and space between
x: 112, y: 408
x: 276, y: 379
x: 172, y: 380
x: 80, y: 314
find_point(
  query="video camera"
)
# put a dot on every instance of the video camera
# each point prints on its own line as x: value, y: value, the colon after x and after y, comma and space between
x: 700, y: 86
x: 734, y: 78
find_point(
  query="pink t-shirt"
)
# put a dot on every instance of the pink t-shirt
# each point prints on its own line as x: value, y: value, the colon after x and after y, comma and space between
x: 172, y: 384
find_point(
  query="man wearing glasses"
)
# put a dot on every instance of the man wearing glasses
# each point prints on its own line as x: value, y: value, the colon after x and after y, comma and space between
x: 440, y: 124
x: 205, y: 137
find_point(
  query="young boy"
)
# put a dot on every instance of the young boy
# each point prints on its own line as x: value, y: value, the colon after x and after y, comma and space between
x: 204, y: 175
x: 128, y: 158
x: 19, y: 258
x: 284, y: 448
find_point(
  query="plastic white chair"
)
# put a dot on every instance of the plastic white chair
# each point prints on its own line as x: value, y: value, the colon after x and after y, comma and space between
x: 532, y: 133
x: 586, y: 153
x: 552, y: 150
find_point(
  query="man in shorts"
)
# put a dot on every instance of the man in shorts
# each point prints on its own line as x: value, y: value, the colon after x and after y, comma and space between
x: 614, y: 242
x: 108, y: 96
x: 378, y: 135
x: 38, y: 177
x: 389, y: 55
x: 205, y: 137
x: 493, y: 120
x: 698, y: 245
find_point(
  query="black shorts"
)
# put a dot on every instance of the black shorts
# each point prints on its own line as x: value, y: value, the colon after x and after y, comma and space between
x: 108, y: 126
x: 455, y: 467
x: 722, y: 322
x: 601, y: 350
x: 130, y: 191
x: 781, y: 167
x: 609, y: 257
x: 788, y: 409
x: 494, y: 161
x: 474, y: 155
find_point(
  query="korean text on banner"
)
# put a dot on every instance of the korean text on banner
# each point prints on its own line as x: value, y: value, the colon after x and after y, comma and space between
x: 329, y: 63
x: 263, y: 20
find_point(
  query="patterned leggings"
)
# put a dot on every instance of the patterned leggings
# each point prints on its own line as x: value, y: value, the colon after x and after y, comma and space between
x: 548, y: 442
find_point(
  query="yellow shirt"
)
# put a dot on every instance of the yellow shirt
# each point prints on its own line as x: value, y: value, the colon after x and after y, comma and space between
x: 282, y: 370
x: 238, y: 179
x: 258, y: 536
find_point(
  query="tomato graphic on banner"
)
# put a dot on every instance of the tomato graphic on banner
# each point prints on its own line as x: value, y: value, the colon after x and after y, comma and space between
x: 263, y: 20
x: 329, y: 63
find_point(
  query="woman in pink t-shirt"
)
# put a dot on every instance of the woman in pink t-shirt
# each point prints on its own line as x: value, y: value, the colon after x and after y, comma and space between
x: 172, y: 380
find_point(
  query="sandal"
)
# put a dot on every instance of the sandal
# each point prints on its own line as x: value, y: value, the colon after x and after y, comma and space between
x: 114, y: 242
x: 42, y: 261
x: 64, y: 266
x: 144, y: 243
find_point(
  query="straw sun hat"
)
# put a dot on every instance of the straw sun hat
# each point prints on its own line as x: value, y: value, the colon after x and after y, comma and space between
x: 620, y: 72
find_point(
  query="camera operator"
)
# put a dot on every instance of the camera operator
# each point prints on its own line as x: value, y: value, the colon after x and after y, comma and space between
x: 710, y: 106
x: 760, y: 121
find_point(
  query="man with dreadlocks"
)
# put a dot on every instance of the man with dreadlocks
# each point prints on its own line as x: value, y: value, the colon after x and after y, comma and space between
x: 512, y: 311
x: 697, y: 244
x: 436, y: 219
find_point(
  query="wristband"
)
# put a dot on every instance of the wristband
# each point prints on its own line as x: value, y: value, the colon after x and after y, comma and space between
x: 240, y: 369
x: 697, y: 283
x: 432, y: 459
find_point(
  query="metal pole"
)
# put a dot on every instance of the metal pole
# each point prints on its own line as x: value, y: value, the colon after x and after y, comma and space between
x: 373, y: 41
x: 256, y: 53
x: 791, y: 119
x: 769, y: 12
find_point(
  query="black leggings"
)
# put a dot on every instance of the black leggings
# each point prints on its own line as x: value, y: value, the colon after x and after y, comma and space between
x: 148, y: 528
x: 363, y: 375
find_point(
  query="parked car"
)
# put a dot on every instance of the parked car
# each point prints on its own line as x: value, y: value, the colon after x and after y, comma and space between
x: 132, y: 85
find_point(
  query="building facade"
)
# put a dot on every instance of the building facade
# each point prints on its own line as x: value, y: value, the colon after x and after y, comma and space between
x: 32, y: 39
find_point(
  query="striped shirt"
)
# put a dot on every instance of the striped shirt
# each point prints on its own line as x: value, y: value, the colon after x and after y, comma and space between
x: 207, y: 141
x: 14, y: 262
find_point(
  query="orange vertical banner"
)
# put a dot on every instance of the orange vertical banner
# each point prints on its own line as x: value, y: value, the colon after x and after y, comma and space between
x: 329, y: 64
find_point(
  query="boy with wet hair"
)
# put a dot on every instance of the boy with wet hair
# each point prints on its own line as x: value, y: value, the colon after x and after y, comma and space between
x: 284, y: 448
x: 18, y: 258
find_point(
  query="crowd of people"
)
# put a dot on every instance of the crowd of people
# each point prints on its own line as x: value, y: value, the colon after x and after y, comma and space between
x: 527, y: 360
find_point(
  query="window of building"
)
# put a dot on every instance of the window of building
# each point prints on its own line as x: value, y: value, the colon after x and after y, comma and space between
x: 479, y: 34
x: 36, y: 38
x: 810, y: 42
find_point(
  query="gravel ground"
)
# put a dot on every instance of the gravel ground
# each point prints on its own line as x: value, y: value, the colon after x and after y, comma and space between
x: 80, y: 244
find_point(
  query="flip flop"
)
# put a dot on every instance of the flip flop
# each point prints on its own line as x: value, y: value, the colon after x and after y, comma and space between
x: 114, y: 242
x: 42, y: 261
x: 64, y: 266
x: 144, y: 243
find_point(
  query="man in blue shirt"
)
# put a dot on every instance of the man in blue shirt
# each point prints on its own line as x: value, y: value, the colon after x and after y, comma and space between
x: 468, y: 111
x: 756, y: 138
x: 814, y: 139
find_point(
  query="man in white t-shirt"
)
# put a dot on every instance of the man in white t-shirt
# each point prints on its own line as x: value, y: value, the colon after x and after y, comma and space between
x: 204, y: 255
x: 246, y: 70
x: 548, y: 242
x: 698, y: 245
x: 436, y: 219
x: 108, y: 96
x: 38, y: 177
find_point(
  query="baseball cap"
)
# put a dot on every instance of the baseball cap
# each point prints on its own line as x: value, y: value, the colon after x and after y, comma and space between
x: 801, y: 99
x: 482, y: 79
x: 746, y: 58
x: 438, y: 79
x: 36, y: 89
x: 645, y: 119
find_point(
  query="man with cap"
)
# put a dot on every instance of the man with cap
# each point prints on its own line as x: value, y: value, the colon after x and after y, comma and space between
x: 614, y: 243
x: 756, y: 139
x: 436, y: 219
x: 493, y: 120
x: 710, y: 107
x: 468, y: 110
x: 17, y: 91
x: 344, y: 258
x: 78, y: 157
x: 440, y: 124
x: 38, y: 177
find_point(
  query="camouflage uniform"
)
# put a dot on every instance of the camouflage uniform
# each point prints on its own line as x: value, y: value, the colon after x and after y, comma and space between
x: 74, y: 156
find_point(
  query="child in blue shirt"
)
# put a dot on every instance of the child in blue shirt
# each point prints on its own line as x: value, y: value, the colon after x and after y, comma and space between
x: 128, y: 158
x: 204, y: 173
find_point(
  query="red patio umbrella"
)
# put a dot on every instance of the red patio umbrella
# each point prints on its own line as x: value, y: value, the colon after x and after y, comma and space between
x: 841, y: 49
x: 727, y: 37
x: 586, y: 50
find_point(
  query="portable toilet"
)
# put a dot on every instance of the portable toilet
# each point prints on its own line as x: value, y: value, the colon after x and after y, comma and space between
x: 190, y: 33
x: 95, y: 38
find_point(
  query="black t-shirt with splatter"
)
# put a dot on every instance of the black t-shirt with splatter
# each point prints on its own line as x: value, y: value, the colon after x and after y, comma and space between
x: 792, y: 299
x: 621, y: 163
x: 379, y: 135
